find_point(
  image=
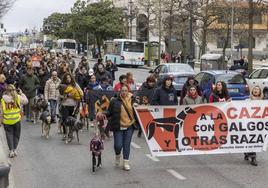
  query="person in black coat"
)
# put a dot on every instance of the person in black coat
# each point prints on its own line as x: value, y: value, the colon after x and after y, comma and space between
x: 112, y: 68
x: 102, y: 73
x: 165, y: 94
x: 81, y: 78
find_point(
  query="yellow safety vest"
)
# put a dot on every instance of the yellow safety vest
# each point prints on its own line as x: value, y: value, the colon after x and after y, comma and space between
x: 11, y: 112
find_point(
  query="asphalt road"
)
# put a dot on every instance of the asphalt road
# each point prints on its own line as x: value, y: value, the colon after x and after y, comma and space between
x: 51, y: 163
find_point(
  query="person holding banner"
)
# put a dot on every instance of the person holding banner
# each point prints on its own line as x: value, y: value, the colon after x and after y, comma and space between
x: 192, y: 97
x: 122, y: 124
x: 220, y: 93
x: 145, y: 94
x: 256, y: 94
x: 122, y: 81
x: 165, y: 94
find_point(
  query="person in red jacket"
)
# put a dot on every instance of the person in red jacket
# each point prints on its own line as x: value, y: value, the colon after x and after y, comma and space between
x: 220, y: 93
x: 122, y: 81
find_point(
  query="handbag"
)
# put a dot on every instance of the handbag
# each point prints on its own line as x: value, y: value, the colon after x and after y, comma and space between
x: 135, y: 125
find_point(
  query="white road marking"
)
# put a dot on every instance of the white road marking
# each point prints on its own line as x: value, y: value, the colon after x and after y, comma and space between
x: 134, y: 145
x: 152, y: 158
x: 176, y: 174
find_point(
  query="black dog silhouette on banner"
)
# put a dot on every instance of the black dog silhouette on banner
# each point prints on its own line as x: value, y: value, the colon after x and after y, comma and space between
x: 168, y: 124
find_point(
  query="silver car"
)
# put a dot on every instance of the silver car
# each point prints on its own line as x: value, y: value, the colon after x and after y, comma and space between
x: 179, y: 71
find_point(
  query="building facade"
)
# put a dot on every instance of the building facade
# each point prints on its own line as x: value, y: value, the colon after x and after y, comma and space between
x: 216, y: 39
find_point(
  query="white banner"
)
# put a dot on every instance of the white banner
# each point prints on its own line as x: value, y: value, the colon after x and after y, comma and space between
x: 214, y: 128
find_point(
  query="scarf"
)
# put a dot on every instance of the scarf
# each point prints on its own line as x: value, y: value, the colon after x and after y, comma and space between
x: 193, y: 96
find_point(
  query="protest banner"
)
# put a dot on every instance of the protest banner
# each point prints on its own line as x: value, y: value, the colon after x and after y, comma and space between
x: 215, y: 128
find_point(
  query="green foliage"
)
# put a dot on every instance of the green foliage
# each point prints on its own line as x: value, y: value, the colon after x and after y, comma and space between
x: 57, y: 25
x: 100, y: 20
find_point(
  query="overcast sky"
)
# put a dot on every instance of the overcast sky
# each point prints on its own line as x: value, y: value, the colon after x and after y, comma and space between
x: 30, y: 13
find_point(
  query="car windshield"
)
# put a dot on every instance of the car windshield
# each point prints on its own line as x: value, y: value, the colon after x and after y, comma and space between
x: 231, y: 79
x: 180, y: 68
x: 134, y: 47
x: 180, y: 80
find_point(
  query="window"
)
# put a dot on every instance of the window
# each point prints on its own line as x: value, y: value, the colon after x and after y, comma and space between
x: 180, y: 68
x: 256, y: 74
x: 221, y: 42
x: 163, y: 69
x: 199, y: 77
x: 231, y: 79
x: 207, y: 79
x: 117, y: 48
x: 134, y: 47
x: 243, y: 42
x: 69, y: 45
x: 264, y: 73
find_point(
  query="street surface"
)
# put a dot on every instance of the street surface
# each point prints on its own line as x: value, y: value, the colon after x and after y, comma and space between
x: 51, y: 163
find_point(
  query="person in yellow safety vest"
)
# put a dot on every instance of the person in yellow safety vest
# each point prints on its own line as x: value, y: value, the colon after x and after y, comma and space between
x: 11, y: 116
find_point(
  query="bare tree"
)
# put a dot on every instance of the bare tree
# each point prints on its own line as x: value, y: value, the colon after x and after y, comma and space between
x: 205, y: 14
x: 5, y: 5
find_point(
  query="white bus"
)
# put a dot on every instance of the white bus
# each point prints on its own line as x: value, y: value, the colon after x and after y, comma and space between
x: 124, y: 52
x: 66, y: 45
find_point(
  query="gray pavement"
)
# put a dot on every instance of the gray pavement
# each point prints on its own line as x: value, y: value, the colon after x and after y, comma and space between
x: 51, y: 163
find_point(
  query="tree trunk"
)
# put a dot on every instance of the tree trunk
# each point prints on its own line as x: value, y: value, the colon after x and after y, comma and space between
x: 98, y: 40
x: 159, y: 29
x: 183, y: 45
x: 225, y: 46
x: 250, y: 36
x: 204, y: 40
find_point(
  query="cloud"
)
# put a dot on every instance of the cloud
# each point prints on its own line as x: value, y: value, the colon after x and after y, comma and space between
x: 30, y: 13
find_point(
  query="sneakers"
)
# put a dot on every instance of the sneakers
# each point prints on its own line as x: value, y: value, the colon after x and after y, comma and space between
x: 126, y: 165
x: 117, y: 160
x: 15, y: 153
x: 11, y: 154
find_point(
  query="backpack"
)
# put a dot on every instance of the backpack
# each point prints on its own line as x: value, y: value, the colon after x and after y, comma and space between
x: 96, y: 145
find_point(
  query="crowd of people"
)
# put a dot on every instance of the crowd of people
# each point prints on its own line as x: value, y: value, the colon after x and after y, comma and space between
x: 64, y: 86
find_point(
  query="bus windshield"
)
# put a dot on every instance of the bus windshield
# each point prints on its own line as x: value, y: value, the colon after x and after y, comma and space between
x: 69, y: 45
x: 134, y: 47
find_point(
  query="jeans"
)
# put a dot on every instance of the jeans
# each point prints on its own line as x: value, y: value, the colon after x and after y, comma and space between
x: 53, y: 108
x: 13, y: 135
x: 122, y: 139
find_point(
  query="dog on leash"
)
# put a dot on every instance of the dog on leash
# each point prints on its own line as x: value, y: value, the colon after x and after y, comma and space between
x: 46, y: 123
x: 96, y: 147
x: 40, y: 104
x: 72, y: 124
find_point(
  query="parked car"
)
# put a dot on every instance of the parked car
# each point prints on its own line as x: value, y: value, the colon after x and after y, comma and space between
x: 259, y: 77
x: 236, y: 83
x: 179, y: 71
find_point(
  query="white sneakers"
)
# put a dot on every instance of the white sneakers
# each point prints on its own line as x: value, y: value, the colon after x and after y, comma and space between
x: 12, y: 154
x: 126, y: 165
